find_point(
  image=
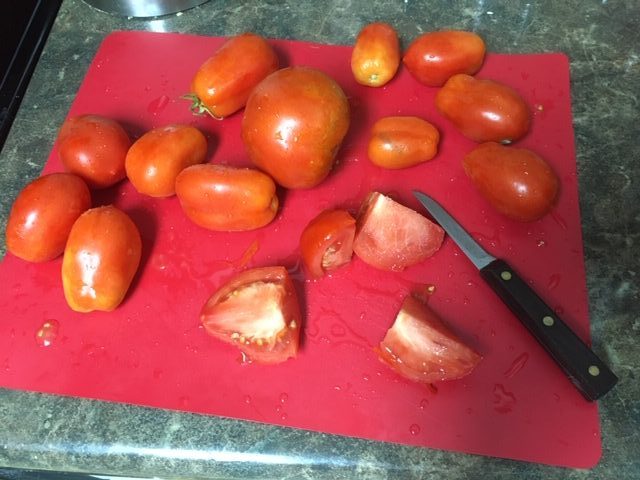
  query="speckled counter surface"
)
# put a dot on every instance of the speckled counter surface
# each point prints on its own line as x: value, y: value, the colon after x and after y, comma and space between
x: 602, y: 40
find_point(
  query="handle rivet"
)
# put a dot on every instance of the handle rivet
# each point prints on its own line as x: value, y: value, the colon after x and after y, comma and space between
x: 548, y: 321
x: 594, y: 371
x: 506, y: 275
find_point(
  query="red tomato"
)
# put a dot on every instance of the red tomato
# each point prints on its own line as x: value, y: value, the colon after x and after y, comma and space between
x: 94, y: 148
x: 293, y: 125
x: 155, y: 159
x: 101, y: 257
x: 258, y: 312
x: 326, y: 242
x: 224, y: 82
x: 376, y: 55
x: 42, y: 215
x: 421, y: 348
x: 434, y: 57
x: 484, y: 110
x: 224, y: 198
x: 400, y: 142
x: 515, y: 181
x: 391, y: 236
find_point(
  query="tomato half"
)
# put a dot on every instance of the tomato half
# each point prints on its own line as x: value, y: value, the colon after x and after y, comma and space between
x: 434, y: 57
x: 391, y: 236
x: 515, y: 181
x: 155, y: 159
x: 223, y: 83
x: 401, y: 142
x: 100, y: 259
x: 258, y: 312
x: 224, y: 198
x: 420, y: 347
x: 94, y: 148
x: 376, y: 55
x: 326, y: 242
x: 42, y: 216
x: 293, y: 125
x: 484, y: 110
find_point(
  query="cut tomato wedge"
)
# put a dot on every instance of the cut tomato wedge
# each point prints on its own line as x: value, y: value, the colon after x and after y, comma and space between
x: 258, y: 312
x: 421, y: 348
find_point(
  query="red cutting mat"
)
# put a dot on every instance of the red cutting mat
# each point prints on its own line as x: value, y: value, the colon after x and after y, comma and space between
x: 152, y: 351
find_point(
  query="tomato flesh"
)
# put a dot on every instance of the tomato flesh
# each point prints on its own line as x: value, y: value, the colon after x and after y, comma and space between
x: 376, y: 55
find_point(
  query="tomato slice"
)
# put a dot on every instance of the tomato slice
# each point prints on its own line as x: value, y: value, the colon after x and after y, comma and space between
x: 258, y: 312
x: 421, y: 348
x: 326, y: 242
x: 391, y: 236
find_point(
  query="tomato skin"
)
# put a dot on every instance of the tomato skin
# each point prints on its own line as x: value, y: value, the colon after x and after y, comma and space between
x: 326, y: 242
x: 224, y: 82
x: 42, y: 215
x: 434, y: 57
x: 421, y: 348
x: 376, y: 55
x: 155, y: 159
x: 390, y: 236
x: 100, y: 259
x: 515, y: 181
x: 94, y: 148
x: 257, y: 311
x: 484, y: 110
x: 224, y: 198
x: 401, y: 142
x: 293, y: 125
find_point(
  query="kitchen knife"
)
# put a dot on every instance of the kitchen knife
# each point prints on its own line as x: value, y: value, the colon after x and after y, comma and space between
x: 583, y: 367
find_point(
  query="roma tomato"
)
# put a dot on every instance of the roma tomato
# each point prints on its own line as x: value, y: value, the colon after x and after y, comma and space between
x: 43, y: 214
x: 155, y: 159
x: 94, y: 148
x: 101, y: 257
x: 258, y: 312
x: 390, y: 236
x: 400, y: 142
x: 484, y: 110
x: 515, y: 181
x: 222, y: 85
x: 434, y: 57
x: 224, y: 198
x: 376, y: 55
x: 421, y: 348
x: 326, y: 242
x: 293, y: 125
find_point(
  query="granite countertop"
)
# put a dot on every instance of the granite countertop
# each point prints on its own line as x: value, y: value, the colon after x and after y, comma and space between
x: 602, y: 40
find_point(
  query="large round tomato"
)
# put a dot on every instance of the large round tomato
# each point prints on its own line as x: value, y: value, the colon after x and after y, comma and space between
x: 293, y: 125
x: 516, y: 181
x: 100, y: 259
x: 258, y: 312
x: 434, y: 57
x: 376, y: 55
x: 220, y: 197
x: 223, y: 83
x: 42, y: 215
x: 484, y: 110
x: 155, y: 159
x: 94, y: 148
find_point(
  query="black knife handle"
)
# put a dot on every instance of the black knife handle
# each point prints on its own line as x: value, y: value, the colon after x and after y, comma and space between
x: 583, y: 367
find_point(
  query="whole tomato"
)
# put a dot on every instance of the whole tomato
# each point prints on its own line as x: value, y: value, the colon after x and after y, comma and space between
x: 101, y: 257
x: 94, y: 148
x: 42, y: 215
x: 376, y: 55
x: 515, y: 181
x: 225, y: 198
x: 434, y: 57
x: 400, y: 142
x: 155, y: 159
x: 293, y: 125
x: 484, y: 110
x: 222, y: 85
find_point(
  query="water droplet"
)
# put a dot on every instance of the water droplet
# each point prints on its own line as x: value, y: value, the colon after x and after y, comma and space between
x: 503, y: 401
x: 493, y: 332
x: 157, y: 105
x: 414, y: 429
x: 278, y: 408
x: 541, y: 243
x: 337, y: 388
x: 47, y: 333
x: 559, y: 310
x: 284, y: 416
x: 365, y: 377
x: 466, y: 301
x: 337, y: 330
x: 283, y: 397
x: 424, y: 403
x: 247, y: 399
x: 518, y: 364
x: 554, y: 281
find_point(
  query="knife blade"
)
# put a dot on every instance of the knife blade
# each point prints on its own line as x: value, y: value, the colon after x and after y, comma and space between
x: 583, y: 367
